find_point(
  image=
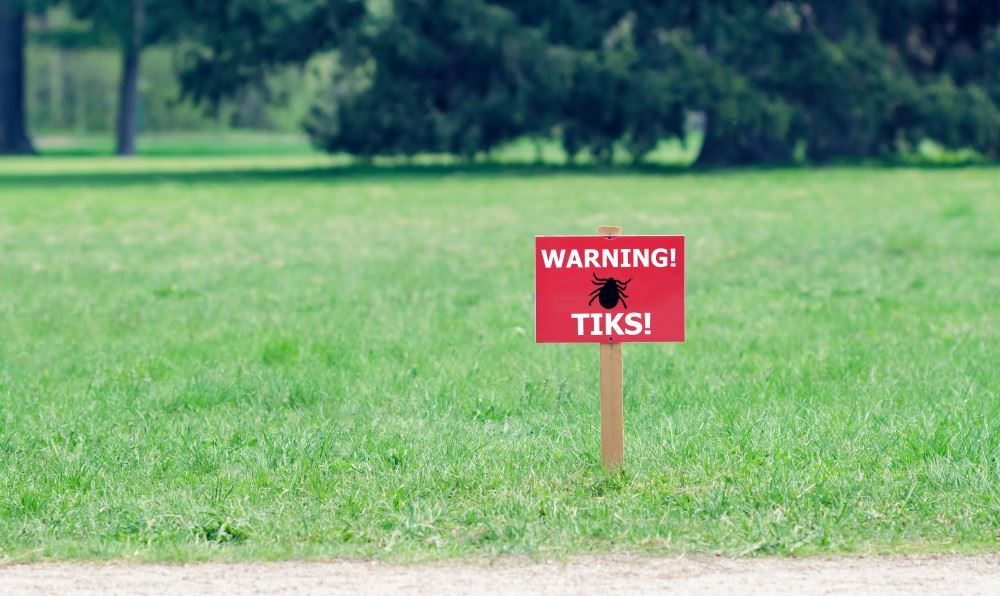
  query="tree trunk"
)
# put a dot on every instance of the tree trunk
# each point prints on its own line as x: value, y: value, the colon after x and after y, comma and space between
x: 128, y: 93
x: 712, y: 148
x: 13, y: 133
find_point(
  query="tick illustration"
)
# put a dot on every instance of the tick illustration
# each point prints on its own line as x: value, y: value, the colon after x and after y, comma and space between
x: 610, y: 292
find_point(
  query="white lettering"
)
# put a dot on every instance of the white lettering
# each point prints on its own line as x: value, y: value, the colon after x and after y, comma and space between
x: 551, y: 258
x: 633, y: 323
x: 609, y: 258
x: 574, y: 257
x: 640, y: 256
x: 611, y: 323
x: 663, y: 260
x: 597, y: 324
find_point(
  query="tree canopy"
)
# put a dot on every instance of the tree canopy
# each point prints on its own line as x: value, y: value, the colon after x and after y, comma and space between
x: 829, y: 78
x: 771, y: 80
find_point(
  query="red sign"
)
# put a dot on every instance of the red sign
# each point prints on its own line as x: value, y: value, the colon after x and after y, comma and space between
x: 609, y: 288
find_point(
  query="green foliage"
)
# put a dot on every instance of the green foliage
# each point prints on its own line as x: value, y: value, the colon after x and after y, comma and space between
x: 772, y: 82
x: 960, y: 117
x: 458, y: 78
x: 768, y: 79
x: 238, y: 43
x: 112, y: 20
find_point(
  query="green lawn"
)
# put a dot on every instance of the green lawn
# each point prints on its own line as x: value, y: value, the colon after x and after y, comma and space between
x: 231, y: 143
x: 201, y: 360
x: 264, y: 146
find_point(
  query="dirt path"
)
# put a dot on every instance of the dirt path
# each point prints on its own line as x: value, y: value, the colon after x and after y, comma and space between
x: 591, y: 574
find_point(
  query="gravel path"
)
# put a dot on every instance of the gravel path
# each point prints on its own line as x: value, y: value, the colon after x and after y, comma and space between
x: 581, y: 575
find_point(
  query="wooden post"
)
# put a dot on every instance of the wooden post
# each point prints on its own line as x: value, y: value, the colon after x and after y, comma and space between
x: 612, y: 414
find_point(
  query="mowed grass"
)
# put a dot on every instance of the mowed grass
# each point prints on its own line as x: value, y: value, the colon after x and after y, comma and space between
x: 202, y: 361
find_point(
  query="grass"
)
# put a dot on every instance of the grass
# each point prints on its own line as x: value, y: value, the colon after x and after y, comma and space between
x: 209, y: 143
x: 202, y: 360
x: 262, y: 146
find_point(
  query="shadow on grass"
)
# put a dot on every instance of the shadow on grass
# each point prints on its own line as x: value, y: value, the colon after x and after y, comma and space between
x: 332, y: 173
x: 347, y: 172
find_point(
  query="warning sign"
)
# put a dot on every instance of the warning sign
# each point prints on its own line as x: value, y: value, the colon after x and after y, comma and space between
x: 609, y: 289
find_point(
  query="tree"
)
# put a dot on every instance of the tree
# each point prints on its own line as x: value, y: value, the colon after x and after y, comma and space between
x: 13, y: 132
x: 459, y: 77
x: 234, y: 44
x: 131, y: 25
x: 848, y: 79
x: 132, y: 42
x: 831, y: 78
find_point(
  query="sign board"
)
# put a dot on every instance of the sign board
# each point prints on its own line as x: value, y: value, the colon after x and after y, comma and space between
x: 609, y: 289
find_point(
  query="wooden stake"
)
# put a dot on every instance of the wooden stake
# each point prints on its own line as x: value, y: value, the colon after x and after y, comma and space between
x: 612, y: 410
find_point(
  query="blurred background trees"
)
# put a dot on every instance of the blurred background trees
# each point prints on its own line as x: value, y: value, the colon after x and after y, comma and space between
x: 129, y: 26
x: 13, y: 133
x: 754, y: 81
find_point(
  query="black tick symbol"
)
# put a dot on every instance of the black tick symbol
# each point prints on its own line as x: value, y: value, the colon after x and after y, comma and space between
x: 610, y: 292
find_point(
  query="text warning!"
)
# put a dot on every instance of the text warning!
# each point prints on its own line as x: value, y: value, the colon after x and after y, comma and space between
x: 609, y: 288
